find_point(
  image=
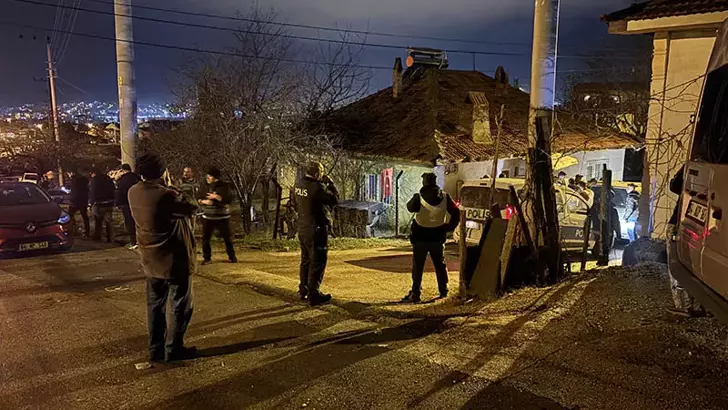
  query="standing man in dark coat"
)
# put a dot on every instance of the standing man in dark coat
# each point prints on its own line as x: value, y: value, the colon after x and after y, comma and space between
x: 101, y: 196
x: 436, y: 214
x: 316, y: 195
x: 79, y: 201
x: 215, y: 198
x: 167, y: 249
x: 127, y: 180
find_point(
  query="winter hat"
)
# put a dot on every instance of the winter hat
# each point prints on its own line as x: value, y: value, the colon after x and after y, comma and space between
x: 150, y: 166
x: 429, y: 179
x: 215, y: 173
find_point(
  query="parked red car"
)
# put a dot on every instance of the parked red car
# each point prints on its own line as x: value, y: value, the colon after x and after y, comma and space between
x: 30, y: 220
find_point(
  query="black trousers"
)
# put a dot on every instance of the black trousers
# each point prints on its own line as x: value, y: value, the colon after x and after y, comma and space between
x: 129, y: 224
x: 179, y: 294
x: 314, y: 256
x: 103, y: 215
x: 436, y: 250
x: 83, y: 210
x: 222, y: 226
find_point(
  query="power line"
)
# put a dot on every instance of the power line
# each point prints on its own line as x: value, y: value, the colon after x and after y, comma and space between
x: 306, y: 38
x: 56, y: 21
x: 74, y: 86
x: 71, y: 25
x: 197, y: 50
x: 283, y: 35
x: 314, y: 27
x: 217, y: 52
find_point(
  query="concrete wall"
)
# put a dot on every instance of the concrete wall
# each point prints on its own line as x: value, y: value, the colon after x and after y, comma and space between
x: 679, y: 61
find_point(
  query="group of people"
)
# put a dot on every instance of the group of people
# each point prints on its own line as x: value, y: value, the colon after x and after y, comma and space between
x: 591, y: 190
x: 164, y: 218
x: 99, y: 191
x: 435, y: 215
x: 165, y: 215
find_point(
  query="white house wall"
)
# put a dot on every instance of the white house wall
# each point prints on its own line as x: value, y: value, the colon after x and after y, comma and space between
x: 468, y: 171
x: 614, y: 158
x: 679, y: 62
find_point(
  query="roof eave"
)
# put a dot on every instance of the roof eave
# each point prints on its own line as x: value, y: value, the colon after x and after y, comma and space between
x: 700, y: 21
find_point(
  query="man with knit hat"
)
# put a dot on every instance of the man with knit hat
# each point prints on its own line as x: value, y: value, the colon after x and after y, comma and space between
x: 435, y: 215
x: 215, y: 198
x: 167, y: 249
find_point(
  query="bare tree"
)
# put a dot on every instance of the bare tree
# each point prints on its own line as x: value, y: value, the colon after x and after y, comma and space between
x: 254, y: 110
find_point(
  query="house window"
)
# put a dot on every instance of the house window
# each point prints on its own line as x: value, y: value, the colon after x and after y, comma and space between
x: 371, y: 191
x: 594, y: 168
x: 519, y: 171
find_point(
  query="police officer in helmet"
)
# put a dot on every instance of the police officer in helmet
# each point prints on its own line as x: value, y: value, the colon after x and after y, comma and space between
x: 316, y: 195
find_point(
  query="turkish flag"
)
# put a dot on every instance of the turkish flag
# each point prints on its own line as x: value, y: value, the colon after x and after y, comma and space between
x: 387, y: 184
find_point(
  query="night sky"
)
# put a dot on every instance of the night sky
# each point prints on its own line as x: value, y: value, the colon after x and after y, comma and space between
x: 89, y: 64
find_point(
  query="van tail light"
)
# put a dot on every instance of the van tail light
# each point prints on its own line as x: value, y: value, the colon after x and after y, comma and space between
x: 510, y: 211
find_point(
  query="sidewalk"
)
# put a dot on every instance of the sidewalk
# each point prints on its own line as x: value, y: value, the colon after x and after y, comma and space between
x: 363, y: 281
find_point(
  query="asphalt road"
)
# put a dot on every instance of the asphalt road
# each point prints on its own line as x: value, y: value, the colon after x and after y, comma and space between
x: 73, y: 326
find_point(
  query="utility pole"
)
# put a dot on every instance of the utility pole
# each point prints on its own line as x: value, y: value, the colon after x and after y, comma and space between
x: 127, y: 89
x: 543, y: 221
x: 54, y: 108
x: 543, y: 62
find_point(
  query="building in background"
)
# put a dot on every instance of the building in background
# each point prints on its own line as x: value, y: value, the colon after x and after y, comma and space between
x: 446, y: 121
x: 684, y: 33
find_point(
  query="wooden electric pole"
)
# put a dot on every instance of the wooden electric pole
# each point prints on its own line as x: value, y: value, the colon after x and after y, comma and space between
x: 54, y: 109
x: 125, y: 79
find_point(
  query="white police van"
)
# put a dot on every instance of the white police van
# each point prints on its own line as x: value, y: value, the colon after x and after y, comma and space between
x: 698, y: 253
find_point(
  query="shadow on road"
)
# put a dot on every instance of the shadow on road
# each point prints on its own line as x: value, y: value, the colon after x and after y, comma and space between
x: 299, y: 367
x: 397, y: 264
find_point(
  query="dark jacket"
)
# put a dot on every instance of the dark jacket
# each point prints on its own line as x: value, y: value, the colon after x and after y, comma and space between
x: 79, y: 191
x: 164, y: 231
x: 315, y: 201
x: 123, y: 184
x: 433, y: 195
x: 218, y: 209
x: 676, y: 187
x: 102, y: 191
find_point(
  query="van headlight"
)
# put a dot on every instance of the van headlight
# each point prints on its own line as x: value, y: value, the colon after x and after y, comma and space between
x: 64, y: 218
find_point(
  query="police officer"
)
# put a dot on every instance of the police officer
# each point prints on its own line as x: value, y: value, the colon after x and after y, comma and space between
x: 316, y: 195
x: 436, y: 214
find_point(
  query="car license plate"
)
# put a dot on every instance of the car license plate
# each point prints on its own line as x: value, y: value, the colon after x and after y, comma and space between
x: 477, y: 214
x: 698, y: 212
x: 33, y: 246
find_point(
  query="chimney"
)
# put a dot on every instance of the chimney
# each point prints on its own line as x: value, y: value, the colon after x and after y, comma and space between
x: 397, y: 78
x: 480, y: 118
x: 502, y: 81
